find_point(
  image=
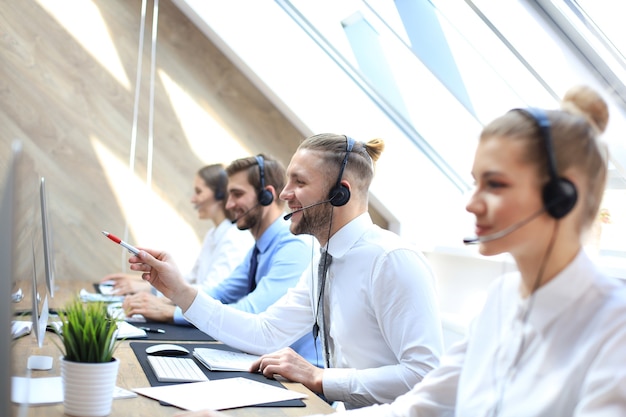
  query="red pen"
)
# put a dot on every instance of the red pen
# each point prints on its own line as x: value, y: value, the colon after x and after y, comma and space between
x: 119, y: 241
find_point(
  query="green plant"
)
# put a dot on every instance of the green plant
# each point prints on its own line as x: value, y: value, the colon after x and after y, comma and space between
x: 87, y: 333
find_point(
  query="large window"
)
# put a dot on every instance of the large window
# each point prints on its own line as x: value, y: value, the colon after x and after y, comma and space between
x: 426, y: 75
x: 430, y: 62
x: 595, y: 29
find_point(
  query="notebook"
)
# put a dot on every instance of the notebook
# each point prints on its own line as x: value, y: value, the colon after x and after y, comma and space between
x: 224, y: 360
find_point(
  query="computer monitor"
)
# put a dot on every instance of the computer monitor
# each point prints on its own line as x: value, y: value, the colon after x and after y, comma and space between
x: 40, y: 280
x: 47, y: 238
x: 7, y: 216
x: 27, y: 269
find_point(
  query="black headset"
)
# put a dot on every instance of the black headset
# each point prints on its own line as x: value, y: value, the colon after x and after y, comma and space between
x: 220, y: 188
x: 339, y: 195
x: 559, y: 194
x: 264, y: 196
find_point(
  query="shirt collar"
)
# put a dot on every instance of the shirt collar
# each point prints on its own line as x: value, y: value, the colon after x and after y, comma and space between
x: 561, y: 292
x: 270, y: 234
x: 347, y: 236
x: 221, y: 229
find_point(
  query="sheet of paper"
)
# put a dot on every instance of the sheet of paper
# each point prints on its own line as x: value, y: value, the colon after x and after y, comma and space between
x: 219, y: 394
x: 43, y: 391
x: 36, y: 391
x: 126, y: 330
x: 21, y: 328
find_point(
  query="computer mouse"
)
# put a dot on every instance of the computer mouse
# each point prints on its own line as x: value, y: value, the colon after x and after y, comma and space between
x: 166, y: 349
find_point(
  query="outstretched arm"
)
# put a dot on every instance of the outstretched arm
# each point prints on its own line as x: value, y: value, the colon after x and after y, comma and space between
x: 160, y: 270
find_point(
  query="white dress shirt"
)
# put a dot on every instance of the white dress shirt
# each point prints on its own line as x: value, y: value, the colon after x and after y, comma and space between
x: 384, y: 313
x: 224, y: 248
x: 566, y: 357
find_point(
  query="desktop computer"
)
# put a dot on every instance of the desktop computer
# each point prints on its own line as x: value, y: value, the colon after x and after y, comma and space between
x: 7, y: 216
x: 26, y: 253
x: 42, y: 273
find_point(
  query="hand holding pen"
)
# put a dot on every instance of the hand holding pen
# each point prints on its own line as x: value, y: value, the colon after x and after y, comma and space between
x: 159, y: 269
x: 119, y: 241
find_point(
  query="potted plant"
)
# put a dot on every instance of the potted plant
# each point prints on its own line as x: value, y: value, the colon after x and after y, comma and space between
x: 88, y: 368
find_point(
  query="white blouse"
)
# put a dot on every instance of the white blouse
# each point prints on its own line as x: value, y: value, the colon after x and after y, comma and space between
x: 561, y: 352
x: 223, y: 249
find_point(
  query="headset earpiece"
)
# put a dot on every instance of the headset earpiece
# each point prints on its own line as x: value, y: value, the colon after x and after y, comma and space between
x: 340, y: 194
x: 559, y: 194
x: 559, y: 197
x: 264, y: 196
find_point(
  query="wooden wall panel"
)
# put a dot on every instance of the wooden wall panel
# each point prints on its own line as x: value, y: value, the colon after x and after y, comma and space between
x: 56, y: 97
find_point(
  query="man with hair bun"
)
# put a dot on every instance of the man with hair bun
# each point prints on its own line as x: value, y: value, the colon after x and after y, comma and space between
x: 369, y: 296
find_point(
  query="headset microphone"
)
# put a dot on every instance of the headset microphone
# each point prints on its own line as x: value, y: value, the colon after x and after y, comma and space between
x: 504, y: 232
x: 245, y: 213
x: 288, y: 216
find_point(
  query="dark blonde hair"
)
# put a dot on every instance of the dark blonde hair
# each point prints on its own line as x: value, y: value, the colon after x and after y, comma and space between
x: 361, y: 160
x: 575, y: 130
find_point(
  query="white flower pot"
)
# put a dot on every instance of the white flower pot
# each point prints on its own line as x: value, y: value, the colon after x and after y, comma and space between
x: 88, y: 387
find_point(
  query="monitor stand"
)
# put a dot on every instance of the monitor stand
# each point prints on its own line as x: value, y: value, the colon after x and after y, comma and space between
x: 37, y: 362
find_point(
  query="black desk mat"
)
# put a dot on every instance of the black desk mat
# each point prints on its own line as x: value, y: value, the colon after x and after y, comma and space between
x: 174, y: 332
x: 140, y: 352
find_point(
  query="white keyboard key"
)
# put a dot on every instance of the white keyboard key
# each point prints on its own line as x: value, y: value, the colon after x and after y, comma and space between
x: 172, y: 369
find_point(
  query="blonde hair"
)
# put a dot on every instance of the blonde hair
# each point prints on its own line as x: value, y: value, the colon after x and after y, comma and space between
x: 361, y: 160
x: 575, y: 130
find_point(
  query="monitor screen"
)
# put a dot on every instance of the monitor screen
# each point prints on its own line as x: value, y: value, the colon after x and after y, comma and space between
x: 47, y: 238
x: 7, y: 217
x: 38, y: 269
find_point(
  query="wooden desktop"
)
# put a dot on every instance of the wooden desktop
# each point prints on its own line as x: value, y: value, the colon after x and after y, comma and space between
x: 130, y: 375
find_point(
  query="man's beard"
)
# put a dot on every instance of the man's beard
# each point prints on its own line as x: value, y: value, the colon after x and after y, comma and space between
x: 314, y: 221
x: 250, y: 219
